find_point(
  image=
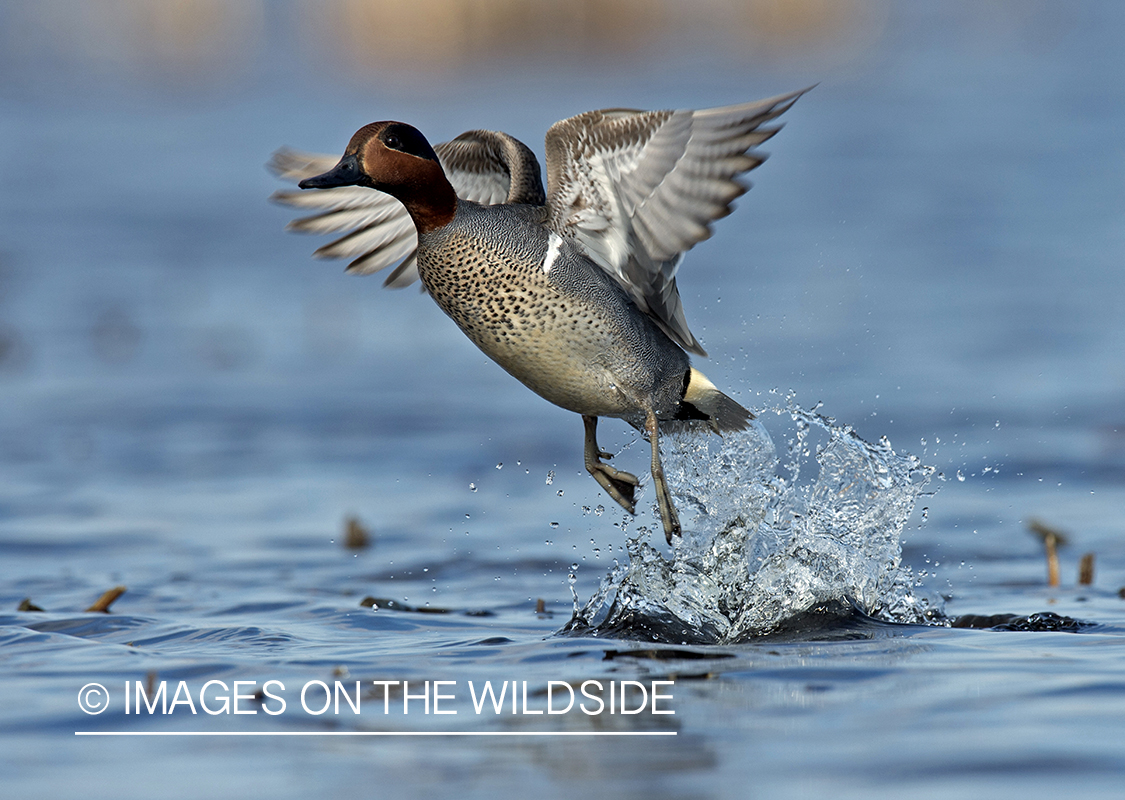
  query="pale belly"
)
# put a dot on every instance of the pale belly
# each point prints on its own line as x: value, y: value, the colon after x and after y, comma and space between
x: 567, y: 361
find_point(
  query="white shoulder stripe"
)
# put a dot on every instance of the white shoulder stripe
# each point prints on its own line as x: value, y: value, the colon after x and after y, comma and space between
x: 554, y: 242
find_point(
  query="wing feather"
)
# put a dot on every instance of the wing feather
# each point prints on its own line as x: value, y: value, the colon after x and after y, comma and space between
x: 637, y: 189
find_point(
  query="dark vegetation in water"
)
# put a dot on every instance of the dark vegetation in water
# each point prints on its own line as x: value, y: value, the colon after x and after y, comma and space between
x: 1044, y: 621
x: 832, y: 621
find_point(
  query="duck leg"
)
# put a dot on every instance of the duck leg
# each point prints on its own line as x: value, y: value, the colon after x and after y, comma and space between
x: 621, y: 486
x: 668, y: 513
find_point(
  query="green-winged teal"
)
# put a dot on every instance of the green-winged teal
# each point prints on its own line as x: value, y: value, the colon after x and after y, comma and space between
x: 573, y: 290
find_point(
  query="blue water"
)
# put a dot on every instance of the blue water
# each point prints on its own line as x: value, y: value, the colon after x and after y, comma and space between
x: 191, y: 407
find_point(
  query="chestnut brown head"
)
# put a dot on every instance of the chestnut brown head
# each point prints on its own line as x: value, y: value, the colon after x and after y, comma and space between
x: 395, y: 158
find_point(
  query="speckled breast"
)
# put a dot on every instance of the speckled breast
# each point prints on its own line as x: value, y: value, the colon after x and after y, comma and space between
x: 485, y: 270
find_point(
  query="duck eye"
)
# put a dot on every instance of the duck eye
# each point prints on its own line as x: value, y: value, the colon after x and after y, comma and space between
x: 393, y: 142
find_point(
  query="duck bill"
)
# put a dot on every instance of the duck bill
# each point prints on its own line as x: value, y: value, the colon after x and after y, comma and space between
x: 346, y: 173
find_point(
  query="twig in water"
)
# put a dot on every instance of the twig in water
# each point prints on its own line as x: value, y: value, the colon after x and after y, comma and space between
x: 1086, y: 570
x: 107, y: 599
x: 356, y: 535
x: 1052, y: 540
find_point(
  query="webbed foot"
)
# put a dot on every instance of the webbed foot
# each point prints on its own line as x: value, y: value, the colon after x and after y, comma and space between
x: 618, y: 484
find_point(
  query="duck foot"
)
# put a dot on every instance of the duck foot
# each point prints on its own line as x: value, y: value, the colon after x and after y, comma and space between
x: 668, y: 513
x: 619, y: 485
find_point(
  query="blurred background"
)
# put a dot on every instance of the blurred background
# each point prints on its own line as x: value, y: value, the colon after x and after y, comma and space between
x: 933, y: 252
x: 191, y: 406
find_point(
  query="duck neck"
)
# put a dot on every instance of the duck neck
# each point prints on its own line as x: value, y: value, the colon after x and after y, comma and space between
x: 431, y: 201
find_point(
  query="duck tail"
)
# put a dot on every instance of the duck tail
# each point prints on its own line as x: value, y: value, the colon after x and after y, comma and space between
x: 721, y: 413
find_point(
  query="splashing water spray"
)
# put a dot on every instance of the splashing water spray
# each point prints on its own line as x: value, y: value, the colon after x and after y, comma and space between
x: 760, y: 546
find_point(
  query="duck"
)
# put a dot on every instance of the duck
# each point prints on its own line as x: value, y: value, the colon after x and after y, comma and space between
x: 570, y: 289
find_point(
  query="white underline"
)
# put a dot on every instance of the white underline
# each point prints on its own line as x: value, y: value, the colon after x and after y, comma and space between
x: 375, y: 733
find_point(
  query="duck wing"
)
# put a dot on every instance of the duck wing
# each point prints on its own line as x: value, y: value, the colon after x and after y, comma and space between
x: 378, y: 231
x: 637, y: 189
x: 489, y: 167
x: 485, y: 167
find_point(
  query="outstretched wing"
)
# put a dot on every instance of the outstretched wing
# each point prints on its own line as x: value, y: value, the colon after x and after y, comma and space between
x: 490, y: 167
x: 379, y: 232
x: 486, y: 167
x: 637, y: 189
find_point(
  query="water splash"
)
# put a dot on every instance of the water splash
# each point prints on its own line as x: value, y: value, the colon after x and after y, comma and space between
x: 760, y: 546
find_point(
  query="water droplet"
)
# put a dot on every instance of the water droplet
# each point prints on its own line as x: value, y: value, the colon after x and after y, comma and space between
x: 960, y: 477
x: 500, y: 465
x: 472, y: 487
x: 554, y: 524
x: 559, y: 492
x: 466, y: 515
x: 599, y: 511
x: 550, y: 477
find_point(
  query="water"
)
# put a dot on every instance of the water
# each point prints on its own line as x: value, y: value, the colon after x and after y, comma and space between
x: 192, y: 408
x: 761, y: 548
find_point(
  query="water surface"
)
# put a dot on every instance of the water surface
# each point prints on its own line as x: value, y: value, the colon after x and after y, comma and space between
x: 192, y: 407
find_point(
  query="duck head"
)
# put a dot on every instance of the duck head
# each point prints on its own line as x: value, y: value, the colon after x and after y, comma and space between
x: 395, y: 158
